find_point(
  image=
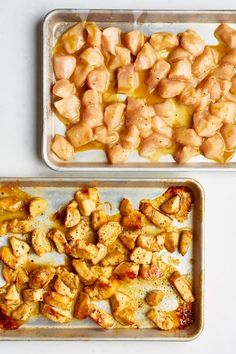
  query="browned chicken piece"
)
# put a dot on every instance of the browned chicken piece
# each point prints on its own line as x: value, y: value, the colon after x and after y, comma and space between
x: 63, y: 88
x: 93, y: 115
x: 98, y: 79
x: 161, y: 319
x: 160, y: 126
x: 98, y: 218
x: 114, y: 258
x: 187, y: 136
x: 21, y: 278
x: 165, y: 109
x: 225, y: 110
x: 91, y: 97
x: 213, y: 147
x: 83, y: 249
x: 230, y: 57
x: 8, y: 274
x: 153, y: 243
x: 72, y: 214
x: 185, y: 154
x: 110, y: 39
x: 74, y: 38
x: 58, y: 239
x: 102, y: 289
x: 3, y: 227
x: 11, y: 204
x: 227, y: 34
x: 130, y: 139
x: 181, y: 285
x: 62, y: 148
x: 158, y: 72
x: 125, y: 207
x: 113, y: 116
x: 100, y: 271
x: 41, y: 276
x: 88, y: 200
x: 84, y: 272
x: 81, y: 73
x: 179, y: 53
x: 154, y: 297
x: 23, y: 312
x: 18, y: 226
x: 40, y: 242
x: 12, y: 296
x: 37, y: 206
x: 10, y: 260
x: 33, y: 295
x: 134, y: 221
x: 82, y: 307
x: 101, y: 317
x: 150, y: 271
x: 141, y: 256
x: 223, y: 71
x: 129, y: 237
x: 19, y: 247
x: 92, y: 56
x: 153, y: 142
x: 228, y: 132
x: 55, y: 314
x: 192, y: 42
x: 69, y: 107
x: 134, y: 41
x: 52, y: 298
x: 154, y: 215
x: 63, y: 289
x: 205, y: 62
x: 123, y: 309
x: 94, y: 35
x: 109, y: 232
x: 70, y: 279
x: 127, y: 270
x: 64, y: 66
x: 184, y: 241
x: 206, y: 124
x: 80, y: 134
x: 171, y: 240
x: 127, y: 79
x: 78, y: 232
x: 117, y: 154
x: 164, y: 40
x: 181, y: 70
x: 145, y: 58
x: 121, y: 58
x: 170, y: 88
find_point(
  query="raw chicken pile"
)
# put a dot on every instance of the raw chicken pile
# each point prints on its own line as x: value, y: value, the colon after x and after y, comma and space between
x: 97, y: 93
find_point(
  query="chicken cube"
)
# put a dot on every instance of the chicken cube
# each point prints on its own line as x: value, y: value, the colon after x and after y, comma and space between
x: 10, y: 260
x: 224, y: 110
x: 11, y: 204
x: 184, y: 241
x: 129, y: 237
x: 55, y: 314
x: 185, y: 154
x: 172, y: 205
x: 37, y: 206
x: 79, y: 232
x: 130, y: 139
x: 72, y: 214
x: 227, y: 35
x: 63, y: 88
x: 179, y: 282
x: 110, y: 39
x: 134, y: 41
x: 145, y: 58
x: 93, y: 115
x: 88, y: 200
x: 215, y: 88
x: 127, y: 79
x: 121, y: 58
x: 153, y: 243
x: 158, y: 72
x: 23, y: 312
x: 58, y: 239
x: 83, y: 249
x: 101, y: 271
x: 155, y: 216
x: 205, y: 62
x: 141, y: 256
x: 153, y: 142
x: 134, y: 221
x: 8, y: 274
x: 160, y: 126
x: 52, y: 298
x: 191, y: 42
x: 223, y: 71
x: 98, y: 218
x: 113, y: 258
x: 165, y: 109
x: 21, y: 278
x: 179, y: 53
x: 64, y: 66
x: 117, y: 154
x: 161, y: 319
x: 171, y: 241
x: 40, y: 242
x: 122, y: 309
x: 41, y: 276
x: 62, y: 148
x: 69, y: 107
x: 19, y: 247
x: 33, y: 295
x: 109, y: 232
x: 150, y: 271
x: 80, y: 134
x: 92, y: 56
x: 228, y: 132
x: 84, y: 272
x: 164, y: 41
x: 213, y: 147
x: 70, y: 279
x: 98, y: 79
x: 127, y: 270
x: 17, y: 226
x: 206, y: 124
x: 154, y: 297
x: 170, y: 88
x: 81, y: 74
x: 101, y: 317
x: 82, y: 307
x: 113, y: 116
x: 12, y: 296
x: 91, y: 97
x: 94, y: 35
x: 181, y: 70
x: 187, y: 136
x: 74, y: 38
x: 102, y: 289
x: 62, y: 289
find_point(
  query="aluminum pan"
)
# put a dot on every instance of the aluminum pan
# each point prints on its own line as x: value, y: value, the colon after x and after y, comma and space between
x: 65, y: 332
x: 58, y: 20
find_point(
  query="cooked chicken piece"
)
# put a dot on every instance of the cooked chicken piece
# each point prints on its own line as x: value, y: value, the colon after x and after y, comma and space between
x: 110, y: 39
x: 126, y: 207
x: 206, y: 124
x: 185, y: 154
x: 82, y: 307
x: 223, y: 71
x: 84, y: 272
x: 113, y: 258
x: 81, y: 73
x: 224, y: 110
x: 213, y: 147
x: 181, y: 70
x: 134, y: 221
x: 191, y: 42
x: 41, y: 276
x: 187, y: 136
x: 113, y: 116
x: 58, y: 239
x: 227, y: 34
x: 172, y: 205
x: 190, y: 96
x: 181, y: 285
x: 154, y: 297
x: 98, y: 79
x: 153, y: 142
x: 21, y: 278
x: 184, y: 241
x: 62, y: 148
x: 101, y: 317
x: 98, y: 218
x: 165, y: 109
x: 117, y: 155
x: 80, y: 134
x: 69, y: 107
x: 92, y: 56
x: 127, y: 79
x: 11, y: 204
x: 3, y: 227
x: 164, y: 40
x: 129, y: 237
x: 158, y: 72
x: 170, y: 88
x: 215, y: 88
x: 72, y: 214
x: 40, y: 242
x: 63, y: 88
x: 127, y: 270
x: 109, y: 232
x: 233, y: 85
x: 17, y: 226
x: 141, y: 118
x: 37, y: 206
x: 12, y: 296
x: 100, y: 271
x: 135, y: 104
x: 155, y: 216
x: 141, y: 256
x: 161, y: 319
x: 134, y: 41
x: 102, y: 289
x: 94, y: 35
x: 130, y: 139
x: 10, y: 260
x: 122, y: 309
x: 8, y: 274
x: 52, y: 298
x: 160, y: 126
x: 150, y: 271
x: 145, y: 58
x: 23, y: 312
x: 179, y: 53
x: 19, y: 247
x: 74, y: 38
x: 91, y: 97
x: 88, y: 200
x: 83, y: 249
x: 55, y: 314
x: 171, y: 240
x: 64, y: 66
x: 228, y: 132
x: 205, y: 62
x: 63, y: 289
x: 93, y: 115
x: 33, y: 295
x: 151, y: 243
x: 101, y: 135
x: 121, y: 58
x: 78, y: 232
x: 70, y: 279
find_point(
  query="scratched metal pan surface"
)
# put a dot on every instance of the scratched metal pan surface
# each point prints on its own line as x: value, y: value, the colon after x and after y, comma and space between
x: 94, y: 162
x: 58, y: 192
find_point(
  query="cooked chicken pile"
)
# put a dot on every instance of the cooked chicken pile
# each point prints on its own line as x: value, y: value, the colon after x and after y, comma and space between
x: 120, y: 91
x: 106, y: 255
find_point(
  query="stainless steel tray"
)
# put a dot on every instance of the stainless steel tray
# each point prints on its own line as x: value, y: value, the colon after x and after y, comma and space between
x: 58, y: 191
x: 93, y: 162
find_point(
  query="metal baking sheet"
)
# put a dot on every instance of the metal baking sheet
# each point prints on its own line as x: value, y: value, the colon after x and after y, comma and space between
x: 94, y: 161
x: 58, y: 192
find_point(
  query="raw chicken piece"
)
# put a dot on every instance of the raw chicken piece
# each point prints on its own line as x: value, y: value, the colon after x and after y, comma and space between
x: 81, y: 73
x: 225, y: 110
x: 74, y: 38
x: 213, y: 147
x: 127, y: 79
x: 63, y: 66
x: 206, y: 124
x: 93, y: 115
x: 80, y: 134
x: 64, y: 88
x: 181, y: 70
x: 91, y: 97
x: 160, y: 126
x: 121, y: 58
x: 228, y: 132
x: 110, y: 39
x: 134, y: 41
x: 98, y: 79
x: 113, y: 116
x: 159, y: 71
x: 62, y: 148
x: 230, y: 57
x: 94, y: 37
x: 117, y: 154
x: 145, y: 58
x: 170, y: 88
x: 130, y: 139
x: 92, y: 56
x: 69, y: 107
x: 164, y: 40
x: 179, y: 53
x: 185, y: 154
x: 153, y: 142
x: 191, y: 42
x: 205, y: 62
x: 186, y: 136
x: 227, y: 35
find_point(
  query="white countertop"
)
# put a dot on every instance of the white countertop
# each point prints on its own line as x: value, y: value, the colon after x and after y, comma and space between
x: 20, y: 143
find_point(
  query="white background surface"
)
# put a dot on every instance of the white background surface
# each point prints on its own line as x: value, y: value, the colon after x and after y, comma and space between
x: 20, y: 137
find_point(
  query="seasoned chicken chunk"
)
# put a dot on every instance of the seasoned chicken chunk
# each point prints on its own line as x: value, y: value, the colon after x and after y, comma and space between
x: 153, y: 142
x: 41, y: 276
x: 101, y: 317
x: 82, y: 307
x: 184, y: 241
x: 134, y: 41
x: 55, y: 314
x: 150, y: 271
x: 72, y: 214
x: 69, y: 107
x: 113, y: 258
x: 88, y: 200
x: 121, y: 58
x: 117, y: 154
x: 23, y: 312
x: 110, y: 39
x: 130, y: 139
x: 8, y: 274
x: 122, y: 309
x: 83, y: 249
x: 12, y: 296
x: 227, y: 34
x: 74, y: 38
x: 102, y: 289
x: 98, y: 79
x: 40, y: 242
x: 21, y: 278
x: 225, y: 110
x: 84, y: 272
x: 215, y: 88
x: 170, y: 88
x: 228, y: 132
x: 58, y: 239
x: 113, y: 116
x: 187, y: 136
x: 127, y: 79
x: 64, y: 66
x: 81, y: 73
x: 153, y: 243
x: 101, y: 271
x: 155, y: 216
x: 11, y: 204
x: 62, y: 148
x: 80, y: 134
x: 172, y: 205
x: 161, y: 319
x: 165, y: 109
x: 191, y: 42
x: 206, y: 124
x: 64, y: 88
x: 134, y: 221
x: 33, y: 295
x: 37, y: 206
x: 160, y: 126
x: 185, y: 154
x: 158, y: 72
x: 154, y: 297
x: 98, y: 218
x: 70, y: 279
x: 101, y: 135
x: 223, y: 71
x: 213, y: 147
x: 17, y: 226
x: 205, y: 62
x: 164, y: 40
x: 92, y: 56
x: 129, y: 237
x: 93, y: 115
x: 145, y: 58
x: 62, y: 289
x: 19, y: 247
x: 127, y: 270
x: 171, y: 241
x: 181, y: 285
x: 78, y: 232
x: 52, y: 298
x: 109, y: 232
x: 181, y: 70
x: 91, y: 97
x: 94, y: 35
x: 141, y: 256
x: 10, y: 260
x: 179, y: 53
